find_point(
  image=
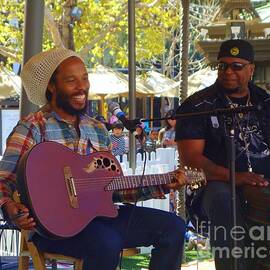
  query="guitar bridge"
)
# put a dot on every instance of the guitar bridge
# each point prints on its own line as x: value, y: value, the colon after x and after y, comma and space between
x: 71, y: 189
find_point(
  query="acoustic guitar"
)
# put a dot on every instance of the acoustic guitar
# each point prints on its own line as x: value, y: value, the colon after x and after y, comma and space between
x: 64, y: 191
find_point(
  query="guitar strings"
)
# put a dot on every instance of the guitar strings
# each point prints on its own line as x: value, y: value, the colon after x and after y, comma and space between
x: 83, y: 182
x: 123, y: 176
x: 118, y: 183
x: 118, y: 178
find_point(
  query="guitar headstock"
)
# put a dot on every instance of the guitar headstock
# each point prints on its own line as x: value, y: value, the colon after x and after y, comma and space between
x: 196, y: 177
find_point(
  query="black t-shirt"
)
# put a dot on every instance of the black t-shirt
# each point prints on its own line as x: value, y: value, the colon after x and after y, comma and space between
x: 252, y: 129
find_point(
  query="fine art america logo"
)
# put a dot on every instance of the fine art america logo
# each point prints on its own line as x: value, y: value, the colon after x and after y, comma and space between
x: 258, y: 245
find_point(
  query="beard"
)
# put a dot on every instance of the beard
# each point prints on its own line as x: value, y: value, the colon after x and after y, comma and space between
x: 62, y: 101
x: 227, y: 91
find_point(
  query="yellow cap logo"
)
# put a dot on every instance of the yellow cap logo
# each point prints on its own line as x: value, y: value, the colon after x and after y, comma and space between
x: 234, y: 51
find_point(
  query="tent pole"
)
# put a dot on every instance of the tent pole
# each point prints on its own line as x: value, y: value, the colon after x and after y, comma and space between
x: 152, y: 110
x: 132, y: 79
x: 33, y: 33
x: 102, y: 104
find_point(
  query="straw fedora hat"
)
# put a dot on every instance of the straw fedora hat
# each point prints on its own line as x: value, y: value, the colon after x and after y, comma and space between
x: 37, y: 71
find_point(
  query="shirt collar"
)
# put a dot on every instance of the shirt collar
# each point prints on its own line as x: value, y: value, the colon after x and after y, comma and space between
x: 53, y: 114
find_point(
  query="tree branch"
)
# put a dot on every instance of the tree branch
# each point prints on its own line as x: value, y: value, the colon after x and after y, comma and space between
x: 9, y: 53
x: 84, y: 51
x: 143, y: 5
x: 102, y: 34
x: 53, y: 28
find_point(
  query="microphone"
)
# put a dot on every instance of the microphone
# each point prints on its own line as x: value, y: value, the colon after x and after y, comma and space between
x: 130, y: 125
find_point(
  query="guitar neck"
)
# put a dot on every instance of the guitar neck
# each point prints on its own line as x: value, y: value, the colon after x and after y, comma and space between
x: 135, y: 181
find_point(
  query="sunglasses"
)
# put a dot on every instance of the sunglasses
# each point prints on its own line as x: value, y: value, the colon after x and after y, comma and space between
x: 235, y: 66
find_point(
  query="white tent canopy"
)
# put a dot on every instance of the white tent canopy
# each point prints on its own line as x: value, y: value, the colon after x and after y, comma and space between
x: 104, y: 81
x: 201, y: 79
x: 107, y: 83
x: 159, y: 84
x: 10, y: 84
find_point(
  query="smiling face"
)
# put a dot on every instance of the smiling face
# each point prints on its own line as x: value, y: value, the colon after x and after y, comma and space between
x: 70, y: 88
x: 235, y: 82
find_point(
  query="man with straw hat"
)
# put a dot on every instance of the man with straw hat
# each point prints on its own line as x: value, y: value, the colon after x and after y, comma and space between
x: 58, y: 80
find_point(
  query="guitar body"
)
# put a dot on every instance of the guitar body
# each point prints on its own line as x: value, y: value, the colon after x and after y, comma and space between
x: 63, y: 190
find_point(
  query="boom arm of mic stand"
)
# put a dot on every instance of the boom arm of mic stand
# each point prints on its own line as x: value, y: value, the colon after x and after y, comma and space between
x: 240, y: 109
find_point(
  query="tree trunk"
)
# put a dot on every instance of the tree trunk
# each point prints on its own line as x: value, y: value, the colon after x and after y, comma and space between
x: 67, y: 24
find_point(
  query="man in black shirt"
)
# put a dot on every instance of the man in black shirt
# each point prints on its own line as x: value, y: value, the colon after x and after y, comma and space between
x: 202, y: 143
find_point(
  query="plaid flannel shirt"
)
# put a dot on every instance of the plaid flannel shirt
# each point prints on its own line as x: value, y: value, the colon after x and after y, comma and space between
x: 46, y: 125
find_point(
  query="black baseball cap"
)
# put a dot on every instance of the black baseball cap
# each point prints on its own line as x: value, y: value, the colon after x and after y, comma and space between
x: 238, y: 48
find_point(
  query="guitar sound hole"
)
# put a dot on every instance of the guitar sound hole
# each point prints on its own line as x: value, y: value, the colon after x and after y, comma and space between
x: 106, y: 162
x: 99, y: 162
x: 113, y: 167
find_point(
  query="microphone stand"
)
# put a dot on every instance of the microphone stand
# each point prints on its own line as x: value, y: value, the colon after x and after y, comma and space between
x: 230, y: 132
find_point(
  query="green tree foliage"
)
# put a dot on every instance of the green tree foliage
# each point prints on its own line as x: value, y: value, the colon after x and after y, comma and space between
x: 100, y: 34
x: 11, y: 23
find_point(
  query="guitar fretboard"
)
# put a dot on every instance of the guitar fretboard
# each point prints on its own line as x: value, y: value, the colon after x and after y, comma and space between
x: 134, y: 181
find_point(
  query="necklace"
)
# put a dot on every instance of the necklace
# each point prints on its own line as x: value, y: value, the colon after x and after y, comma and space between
x: 243, y: 130
x: 237, y: 104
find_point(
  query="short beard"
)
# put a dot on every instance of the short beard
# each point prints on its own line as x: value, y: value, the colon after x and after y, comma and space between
x: 227, y: 91
x: 62, y: 102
